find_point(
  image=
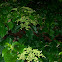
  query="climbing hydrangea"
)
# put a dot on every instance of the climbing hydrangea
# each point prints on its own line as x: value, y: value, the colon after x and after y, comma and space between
x: 30, y: 54
x: 27, y: 18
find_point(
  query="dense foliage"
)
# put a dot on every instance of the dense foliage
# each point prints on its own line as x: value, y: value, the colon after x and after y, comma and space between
x: 30, y: 31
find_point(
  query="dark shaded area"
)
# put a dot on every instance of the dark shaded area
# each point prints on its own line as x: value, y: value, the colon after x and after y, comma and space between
x: 46, y: 36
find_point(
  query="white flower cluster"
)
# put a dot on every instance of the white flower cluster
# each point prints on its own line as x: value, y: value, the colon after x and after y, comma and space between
x: 30, y: 54
x: 26, y: 21
x: 27, y: 18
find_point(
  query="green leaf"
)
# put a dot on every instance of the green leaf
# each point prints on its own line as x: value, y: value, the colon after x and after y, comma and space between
x: 31, y: 17
x: 29, y: 34
x: 18, y: 47
x: 10, y: 25
x: 9, y: 56
x: 14, y: 9
x: 60, y: 53
x: 3, y: 30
